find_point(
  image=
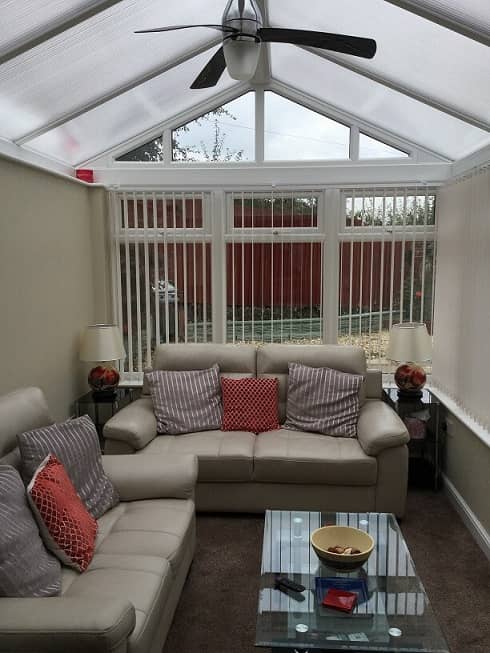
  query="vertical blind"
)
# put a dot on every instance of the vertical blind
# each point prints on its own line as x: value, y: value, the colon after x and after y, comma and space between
x: 461, y: 356
x: 386, y: 264
x: 274, y: 261
x: 162, y: 271
x: 248, y: 266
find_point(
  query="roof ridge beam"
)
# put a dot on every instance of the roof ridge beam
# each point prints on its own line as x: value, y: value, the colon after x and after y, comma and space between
x: 57, y: 27
x: 263, y: 72
x: 446, y: 19
x: 400, y: 88
x: 120, y: 90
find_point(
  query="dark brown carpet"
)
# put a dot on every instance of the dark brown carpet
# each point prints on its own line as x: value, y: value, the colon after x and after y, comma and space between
x: 217, y: 610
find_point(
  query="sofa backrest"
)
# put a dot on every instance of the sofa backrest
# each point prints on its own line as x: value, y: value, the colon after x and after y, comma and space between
x: 21, y: 410
x: 233, y: 360
x: 272, y: 361
x: 269, y: 360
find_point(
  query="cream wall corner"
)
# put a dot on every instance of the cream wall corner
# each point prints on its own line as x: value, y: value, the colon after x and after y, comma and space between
x: 46, y: 282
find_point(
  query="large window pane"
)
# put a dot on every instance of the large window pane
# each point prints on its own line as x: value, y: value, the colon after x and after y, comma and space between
x: 274, y: 292
x: 386, y: 269
x: 164, y: 274
x: 293, y: 132
x: 225, y: 134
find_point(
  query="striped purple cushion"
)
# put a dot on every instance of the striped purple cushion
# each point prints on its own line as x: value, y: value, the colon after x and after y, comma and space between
x: 322, y: 400
x: 185, y: 402
x: 76, y: 445
x: 26, y: 568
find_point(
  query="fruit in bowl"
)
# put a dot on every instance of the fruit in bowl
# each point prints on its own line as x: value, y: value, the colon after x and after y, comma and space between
x: 342, y: 547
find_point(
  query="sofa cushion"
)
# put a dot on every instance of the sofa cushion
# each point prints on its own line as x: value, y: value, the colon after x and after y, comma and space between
x: 156, y: 527
x: 26, y: 568
x: 286, y: 456
x: 249, y: 405
x: 186, y: 401
x: 76, y: 445
x: 223, y: 456
x: 322, y: 400
x: 66, y: 526
x: 273, y: 360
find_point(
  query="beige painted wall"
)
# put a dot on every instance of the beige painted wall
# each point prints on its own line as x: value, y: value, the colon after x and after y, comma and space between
x: 461, y: 356
x: 47, y: 281
x: 467, y: 465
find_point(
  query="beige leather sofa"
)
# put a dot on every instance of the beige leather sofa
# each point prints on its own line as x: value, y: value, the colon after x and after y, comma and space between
x: 283, y: 469
x: 125, y: 601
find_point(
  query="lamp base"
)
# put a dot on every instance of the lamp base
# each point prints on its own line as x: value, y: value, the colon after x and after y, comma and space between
x: 104, y: 396
x: 410, y: 379
x: 409, y: 395
x: 103, y: 380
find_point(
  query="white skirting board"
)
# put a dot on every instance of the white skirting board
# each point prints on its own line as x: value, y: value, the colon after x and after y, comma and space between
x: 469, y: 518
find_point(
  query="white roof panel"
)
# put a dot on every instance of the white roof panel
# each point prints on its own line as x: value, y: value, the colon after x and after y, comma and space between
x: 94, y: 58
x: 413, y: 52
x: 474, y: 14
x: 132, y: 113
x: 374, y: 103
x: 79, y: 92
x: 27, y: 19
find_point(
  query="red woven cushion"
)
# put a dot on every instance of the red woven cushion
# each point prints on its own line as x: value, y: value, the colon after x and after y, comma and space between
x: 250, y: 405
x: 66, y: 526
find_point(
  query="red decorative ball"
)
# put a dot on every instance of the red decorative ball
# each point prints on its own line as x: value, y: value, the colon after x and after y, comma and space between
x: 410, y: 377
x: 103, y: 378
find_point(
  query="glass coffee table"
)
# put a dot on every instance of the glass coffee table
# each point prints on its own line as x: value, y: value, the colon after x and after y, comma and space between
x: 392, y: 614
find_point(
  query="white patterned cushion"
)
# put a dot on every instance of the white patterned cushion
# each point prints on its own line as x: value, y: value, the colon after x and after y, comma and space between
x: 185, y: 402
x: 322, y: 400
x: 76, y: 445
x: 26, y: 568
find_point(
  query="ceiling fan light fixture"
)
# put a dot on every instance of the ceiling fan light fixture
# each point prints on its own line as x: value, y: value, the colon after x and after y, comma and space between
x: 242, y: 56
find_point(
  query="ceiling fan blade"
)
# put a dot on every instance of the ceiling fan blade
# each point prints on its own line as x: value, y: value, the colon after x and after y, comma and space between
x: 212, y: 71
x: 221, y: 28
x: 355, y: 45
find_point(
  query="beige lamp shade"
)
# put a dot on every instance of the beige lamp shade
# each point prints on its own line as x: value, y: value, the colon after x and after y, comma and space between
x: 410, y: 341
x: 102, y: 342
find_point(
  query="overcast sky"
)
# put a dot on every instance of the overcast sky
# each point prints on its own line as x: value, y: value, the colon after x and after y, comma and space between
x: 292, y: 132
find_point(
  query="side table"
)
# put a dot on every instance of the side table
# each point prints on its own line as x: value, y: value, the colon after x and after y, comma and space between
x: 101, y: 408
x: 423, y: 420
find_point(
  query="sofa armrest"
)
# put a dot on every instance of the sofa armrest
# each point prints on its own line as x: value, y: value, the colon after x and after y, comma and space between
x: 140, y: 476
x: 379, y: 428
x: 135, y: 424
x: 64, y: 623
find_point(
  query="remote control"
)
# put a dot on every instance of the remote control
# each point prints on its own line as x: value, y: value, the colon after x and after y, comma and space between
x: 289, y: 584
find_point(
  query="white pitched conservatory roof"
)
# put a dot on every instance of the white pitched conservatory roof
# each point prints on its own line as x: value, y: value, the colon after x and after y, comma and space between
x: 75, y: 81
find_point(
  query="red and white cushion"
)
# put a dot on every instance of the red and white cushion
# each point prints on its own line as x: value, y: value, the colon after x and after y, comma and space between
x: 66, y: 526
x: 250, y: 405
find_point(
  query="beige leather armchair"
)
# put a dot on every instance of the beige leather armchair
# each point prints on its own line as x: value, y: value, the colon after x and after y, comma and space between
x: 126, y: 599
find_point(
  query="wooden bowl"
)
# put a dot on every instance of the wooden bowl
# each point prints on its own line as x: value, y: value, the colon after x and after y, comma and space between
x: 329, y: 536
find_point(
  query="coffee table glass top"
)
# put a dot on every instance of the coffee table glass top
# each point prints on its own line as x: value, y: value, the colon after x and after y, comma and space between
x: 394, y: 615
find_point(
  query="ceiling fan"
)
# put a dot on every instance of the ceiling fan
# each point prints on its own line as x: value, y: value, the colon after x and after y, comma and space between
x: 243, y: 34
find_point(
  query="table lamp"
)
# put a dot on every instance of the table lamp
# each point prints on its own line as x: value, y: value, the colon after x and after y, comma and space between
x: 102, y: 343
x: 410, y: 344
